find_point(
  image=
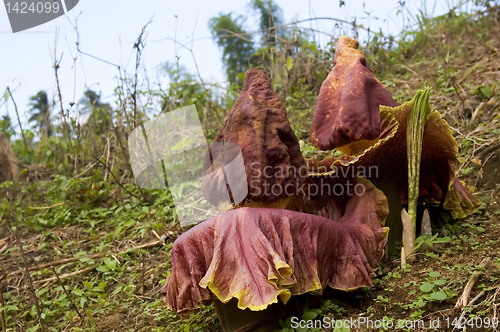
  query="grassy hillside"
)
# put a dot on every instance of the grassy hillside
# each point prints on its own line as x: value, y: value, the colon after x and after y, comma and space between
x: 87, y: 250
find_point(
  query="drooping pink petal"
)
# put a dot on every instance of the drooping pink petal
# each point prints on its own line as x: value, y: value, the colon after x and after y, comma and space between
x: 259, y: 254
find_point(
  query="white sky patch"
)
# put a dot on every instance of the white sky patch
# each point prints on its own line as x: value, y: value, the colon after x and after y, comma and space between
x: 108, y: 30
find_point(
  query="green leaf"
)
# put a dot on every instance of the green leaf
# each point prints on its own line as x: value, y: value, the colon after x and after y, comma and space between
x: 77, y: 291
x: 426, y: 287
x: 12, y: 308
x: 439, y: 296
x: 6, y: 95
x: 61, y: 297
x: 439, y: 282
x: 42, y: 291
x: 110, y: 263
x: 289, y: 63
x: 101, y: 268
x: 309, y: 315
x: 434, y: 274
x: 86, y: 259
x: 486, y: 91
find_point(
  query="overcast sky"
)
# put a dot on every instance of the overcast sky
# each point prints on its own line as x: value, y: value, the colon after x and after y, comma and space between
x: 109, y: 28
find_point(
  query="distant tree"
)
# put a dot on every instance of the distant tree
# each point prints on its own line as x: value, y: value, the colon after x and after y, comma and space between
x: 236, y: 45
x: 183, y: 89
x: 6, y: 127
x: 98, y: 111
x: 40, y: 113
x: 271, y: 15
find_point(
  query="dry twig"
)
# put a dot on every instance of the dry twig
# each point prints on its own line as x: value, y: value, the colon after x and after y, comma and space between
x: 73, y: 259
x: 67, y: 294
x: 67, y: 275
x: 464, y: 298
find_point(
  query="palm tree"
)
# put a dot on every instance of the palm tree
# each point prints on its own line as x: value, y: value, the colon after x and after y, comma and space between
x: 40, y: 110
x: 98, y: 110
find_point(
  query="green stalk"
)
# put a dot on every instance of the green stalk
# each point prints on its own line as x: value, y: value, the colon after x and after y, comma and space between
x: 414, y: 135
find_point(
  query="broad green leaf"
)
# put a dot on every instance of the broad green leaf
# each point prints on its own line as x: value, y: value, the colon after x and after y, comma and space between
x: 77, y: 291
x: 439, y: 296
x: 426, y: 287
x: 110, y: 263
x: 101, y: 268
x: 439, y: 282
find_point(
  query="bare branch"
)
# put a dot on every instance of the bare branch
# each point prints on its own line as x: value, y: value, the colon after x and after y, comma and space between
x: 18, y: 119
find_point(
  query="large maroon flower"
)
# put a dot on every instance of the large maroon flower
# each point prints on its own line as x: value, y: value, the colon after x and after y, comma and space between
x: 259, y: 254
x: 259, y: 126
x: 383, y: 159
x: 347, y: 109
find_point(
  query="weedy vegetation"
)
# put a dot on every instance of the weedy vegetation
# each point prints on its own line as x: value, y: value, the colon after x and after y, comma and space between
x: 82, y: 248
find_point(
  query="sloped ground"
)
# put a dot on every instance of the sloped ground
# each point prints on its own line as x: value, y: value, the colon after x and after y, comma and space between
x: 111, y: 252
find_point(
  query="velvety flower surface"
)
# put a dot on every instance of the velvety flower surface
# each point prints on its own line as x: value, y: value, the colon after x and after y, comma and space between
x: 385, y: 161
x: 358, y: 117
x: 348, y: 103
x: 258, y: 125
x: 259, y: 254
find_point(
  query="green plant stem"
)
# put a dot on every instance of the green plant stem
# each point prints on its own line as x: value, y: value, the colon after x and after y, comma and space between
x: 414, y: 136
